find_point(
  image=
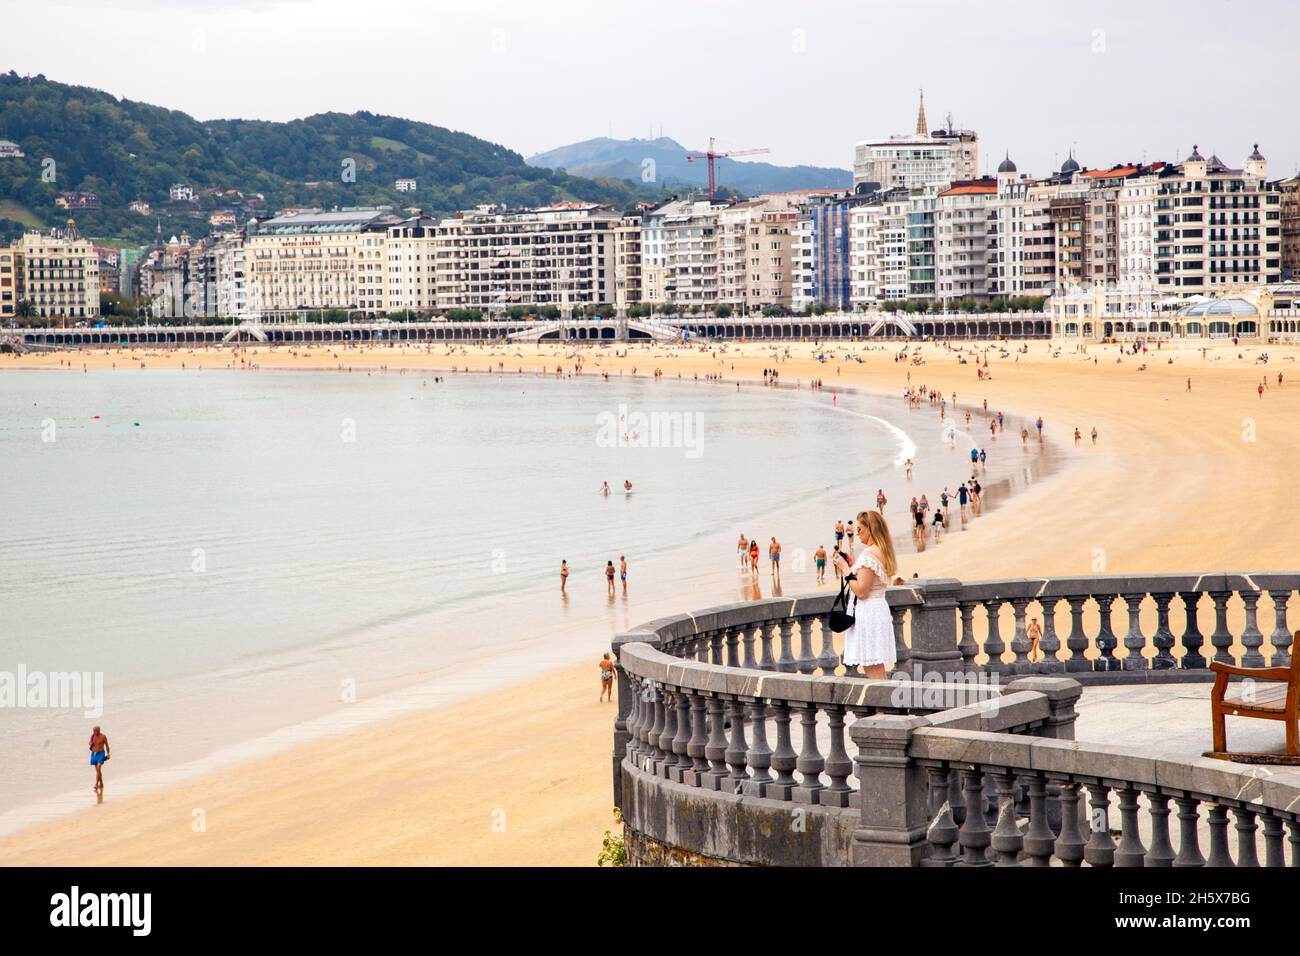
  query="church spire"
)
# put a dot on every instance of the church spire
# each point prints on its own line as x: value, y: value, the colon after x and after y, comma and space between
x: 922, y: 128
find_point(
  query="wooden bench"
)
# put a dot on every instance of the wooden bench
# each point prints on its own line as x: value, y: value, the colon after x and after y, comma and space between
x: 1270, y: 693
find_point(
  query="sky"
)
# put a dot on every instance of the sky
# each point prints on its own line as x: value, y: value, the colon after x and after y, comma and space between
x: 1114, y: 81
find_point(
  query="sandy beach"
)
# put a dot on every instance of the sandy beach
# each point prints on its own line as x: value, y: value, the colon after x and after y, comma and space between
x: 1178, y: 480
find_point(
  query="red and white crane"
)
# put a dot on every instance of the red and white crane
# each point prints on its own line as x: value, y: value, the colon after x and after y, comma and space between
x: 712, y: 155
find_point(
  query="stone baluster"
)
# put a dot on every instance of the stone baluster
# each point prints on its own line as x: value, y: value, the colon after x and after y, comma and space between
x: 767, y: 661
x: 1130, y: 851
x: 759, y: 755
x: 702, y: 648
x: 810, y: 762
x: 1050, y: 642
x: 667, y: 734
x: 807, y: 663
x: 715, y: 751
x: 699, y: 740
x: 1161, y: 853
x: 904, y: 653
x: 751, y: 662
x: 1100, y: 849
x: 1069, y: 844
x: 1189, y: 850
x: 967, y: 646
x: 1077, y: 641
x: 634, y: 719
x: 1274, y: 854
x: 682, y: 739
x: 974, y: 835
x: 1106, y: 640
x: 1163, y: 639
x: 1039, y: 837
x: 956, y: 799
x: 733, y: 647
x: 736, y: 747
x: 716, y: 647
x: 786, y: 663
x: 1246, y: 827
x: 1134, y: 639
x: 1193, y: 639
x: 1293, y: 837
x: 827, y: 660
x: 1006, y: 840
x: 994, y: 646
x: 784, y: 760
x: 1281, y: 637
x: 1251, y: 638
x: 941, y: 834
x: 1019, y: 639
x: 1221, y: 639
x: 1218, y: 820
x: 839, y: 767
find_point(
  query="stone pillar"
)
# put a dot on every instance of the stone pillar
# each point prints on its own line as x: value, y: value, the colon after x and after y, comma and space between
x: 934, y: 629
x: 1062, y: 695
x: 892, y: 790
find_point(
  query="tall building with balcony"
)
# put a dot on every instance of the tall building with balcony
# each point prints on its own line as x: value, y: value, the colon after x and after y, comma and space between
x: 1290, y: 189
x: 411, y: 263
x: 561, y: 255
x: 756, y: 252
x: 820, y: 252
x: 922, y: 157
x: 878, y: 243
x: 315, y: 260
x: 1216, y: 226
x: 627, y: 261
x: 965, y: 233
x: 679, y: 253
x: 56, y: 274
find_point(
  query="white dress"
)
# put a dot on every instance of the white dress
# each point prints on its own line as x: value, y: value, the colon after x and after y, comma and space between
x: 871, y: 638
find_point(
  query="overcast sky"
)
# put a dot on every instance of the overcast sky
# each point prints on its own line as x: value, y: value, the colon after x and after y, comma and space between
x: 1118, y: 81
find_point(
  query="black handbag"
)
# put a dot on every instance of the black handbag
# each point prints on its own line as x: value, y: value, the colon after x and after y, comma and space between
x: 841, y: 619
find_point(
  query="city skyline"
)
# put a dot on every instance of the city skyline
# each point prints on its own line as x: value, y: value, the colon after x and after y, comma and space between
x: 1106, y: 83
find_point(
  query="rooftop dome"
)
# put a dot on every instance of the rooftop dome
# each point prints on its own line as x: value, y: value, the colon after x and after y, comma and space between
x: 1007, y: 166
x: 1256, y: 155
x: 1220, y: 307
x: 1196, y: 156
x: 1070, y: 166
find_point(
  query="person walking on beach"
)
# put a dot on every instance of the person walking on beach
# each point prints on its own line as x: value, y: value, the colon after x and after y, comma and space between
x: 983, y: 457
x: 606, y: 678
x: 609, y: 577
x: 742, y: 549
x: 908, y: 466
x: 869, y: 642
x: 564, y: 576
x: 774, y: 558
x: 1034, y: 632
x: 753, y: 556
x: 604, y: 488
x: 622, y: 572
x: 1094, y: 434
x: 99, y: 753
x: 819, y: 560
x: 962, y: 496
x: 1078, y: 436
x: 848, y: 533
x: 1039, y: 425
x: 881, y: 500
x: 839, y: 534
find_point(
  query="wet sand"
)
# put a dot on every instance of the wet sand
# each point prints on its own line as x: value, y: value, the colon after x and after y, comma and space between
x: 1179, y: 480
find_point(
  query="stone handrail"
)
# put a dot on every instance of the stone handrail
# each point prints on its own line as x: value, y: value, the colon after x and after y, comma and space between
x: 934, y: 775
x: 700, y: 695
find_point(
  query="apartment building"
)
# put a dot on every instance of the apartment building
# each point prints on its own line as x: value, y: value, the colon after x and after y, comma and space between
x: 410, y: 252
x: 56, y: 274
x: 627, y: 261
x: 1290, y: 227
x: 562, y: 255
x: 756, y: 252
x: 679, y: 253
x: 820, y: 252
x: 1216, y: 226
x: 312, y: 260
x: 917, y: 159
x: 965, y: 235
x: 878, y: 244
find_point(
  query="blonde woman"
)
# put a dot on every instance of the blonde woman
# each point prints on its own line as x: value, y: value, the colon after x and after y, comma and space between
x: 870, y: 641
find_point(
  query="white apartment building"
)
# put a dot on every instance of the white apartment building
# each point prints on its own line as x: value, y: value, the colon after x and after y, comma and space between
x: 562, y: 255
x: 312, y: 260
x: 878, y: 248
x: 965, y: 236
x: 55, y: 273
x: 679, y: 253
x: 917, y: 159
x: 411, y: 256
x: 232, y: 287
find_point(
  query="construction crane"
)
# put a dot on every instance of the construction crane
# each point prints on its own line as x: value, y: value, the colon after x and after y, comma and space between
x: 712, y: 155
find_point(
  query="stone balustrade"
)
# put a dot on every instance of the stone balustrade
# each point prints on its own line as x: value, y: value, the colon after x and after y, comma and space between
x: 741, y: 738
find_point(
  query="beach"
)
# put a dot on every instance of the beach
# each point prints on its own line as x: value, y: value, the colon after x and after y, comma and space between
x: 1178, y: 480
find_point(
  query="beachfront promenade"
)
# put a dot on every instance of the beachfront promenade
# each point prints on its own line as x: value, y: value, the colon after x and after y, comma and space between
x: 740, y: 741
x: 895, y: 326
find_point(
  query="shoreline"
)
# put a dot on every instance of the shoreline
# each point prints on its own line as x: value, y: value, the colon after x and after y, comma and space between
x: 1056, y: 528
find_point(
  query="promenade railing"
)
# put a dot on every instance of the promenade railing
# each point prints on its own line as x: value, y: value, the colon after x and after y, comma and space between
x: 711, y: 704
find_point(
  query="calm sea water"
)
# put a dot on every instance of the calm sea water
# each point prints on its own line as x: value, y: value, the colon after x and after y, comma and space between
x: 237, y: 551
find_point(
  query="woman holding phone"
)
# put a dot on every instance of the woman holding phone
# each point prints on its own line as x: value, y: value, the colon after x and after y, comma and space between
x: 870, y: 641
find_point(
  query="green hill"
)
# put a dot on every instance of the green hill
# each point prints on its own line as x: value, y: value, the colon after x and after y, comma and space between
x: 123, y: 150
